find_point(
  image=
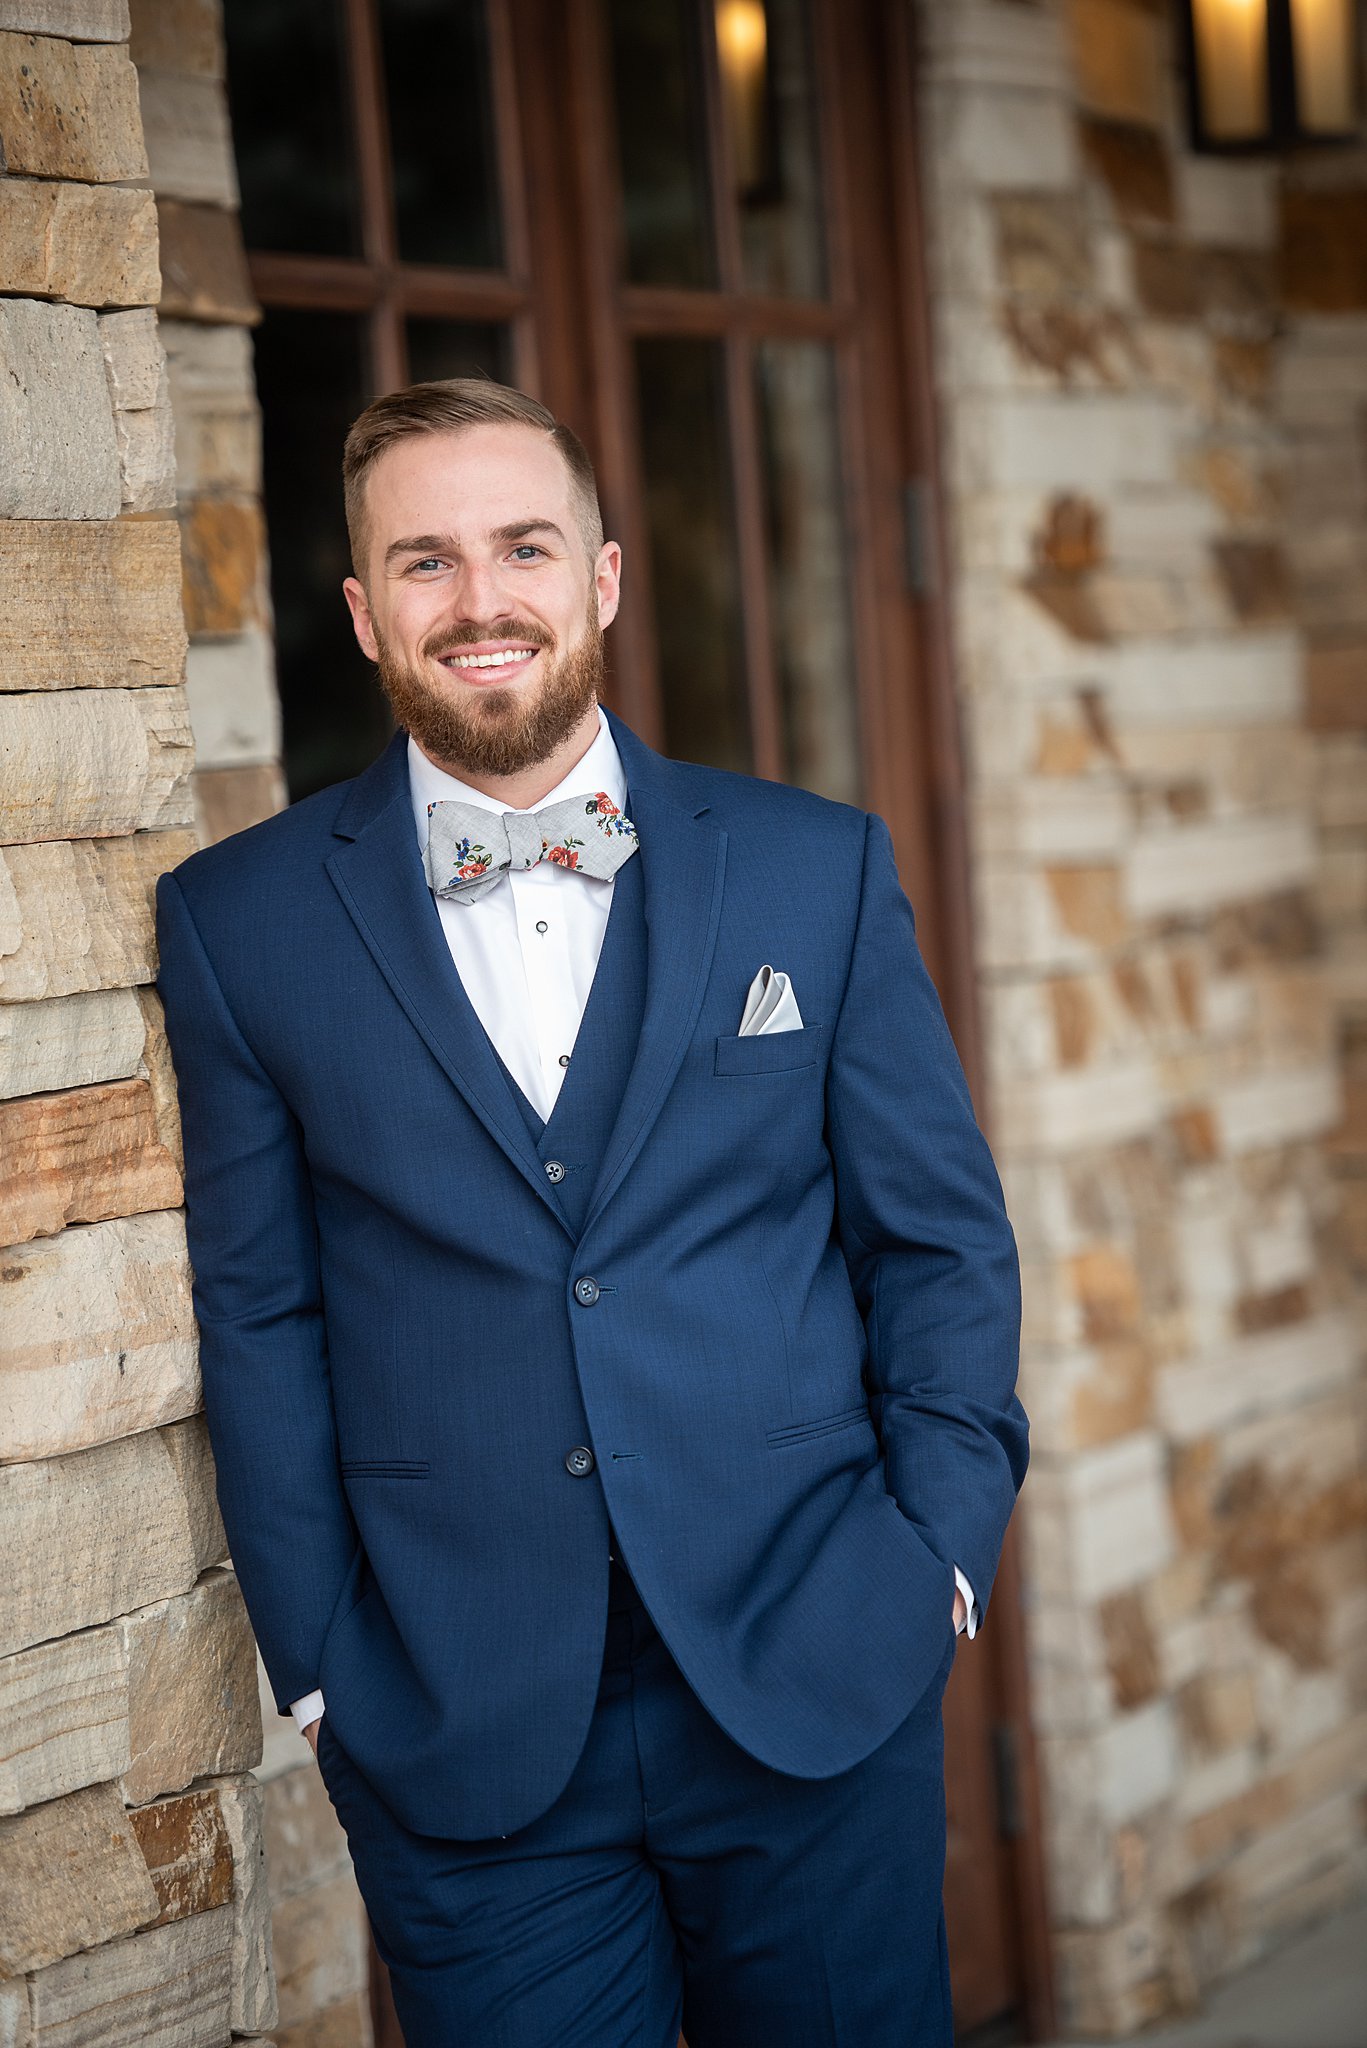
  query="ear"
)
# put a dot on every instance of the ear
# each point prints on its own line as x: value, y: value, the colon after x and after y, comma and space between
x: 607, y: 581
x: 362, y: 623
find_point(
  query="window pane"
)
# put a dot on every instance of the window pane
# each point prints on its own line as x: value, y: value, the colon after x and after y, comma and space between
x: 661, y: 130
x: 292, y: 125
x: 441, y: 131
x: 814, y: 651
x: 458, y: 348
x: 685, y: 452
x: 769, y: 104
x: 310, y: 377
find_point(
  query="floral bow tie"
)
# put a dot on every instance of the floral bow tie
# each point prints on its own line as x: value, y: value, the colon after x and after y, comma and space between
x: 469, y: 849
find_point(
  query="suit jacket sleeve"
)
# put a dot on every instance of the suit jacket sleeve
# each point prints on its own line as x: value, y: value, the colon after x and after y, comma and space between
x: 925, y: 1235
x: 258, y: 1301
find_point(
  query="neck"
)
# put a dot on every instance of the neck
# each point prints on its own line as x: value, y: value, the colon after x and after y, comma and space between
x: 525, y: 789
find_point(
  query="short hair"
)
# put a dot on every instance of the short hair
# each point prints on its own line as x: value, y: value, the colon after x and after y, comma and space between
x: 446, y: 405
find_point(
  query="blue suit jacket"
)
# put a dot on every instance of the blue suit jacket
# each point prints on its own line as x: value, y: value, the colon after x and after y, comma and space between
x: 797, y: 1376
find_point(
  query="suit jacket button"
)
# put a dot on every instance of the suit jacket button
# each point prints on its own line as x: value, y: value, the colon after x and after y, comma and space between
x: 554, y: 1170
x: 586, y: 1292
x: 579, y: 1462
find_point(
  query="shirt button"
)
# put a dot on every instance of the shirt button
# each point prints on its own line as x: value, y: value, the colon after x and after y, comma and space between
x: 586, y: 1292
x: 542, y: 925
x: 579, y: 1462
x: 564, y: 1059
x: 554, y: 1170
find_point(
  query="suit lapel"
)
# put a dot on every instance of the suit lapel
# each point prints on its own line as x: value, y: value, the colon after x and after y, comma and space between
x: 378, y: 874
x: 683, y: 860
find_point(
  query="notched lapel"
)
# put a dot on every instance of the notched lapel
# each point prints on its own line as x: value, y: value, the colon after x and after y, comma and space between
x: 378, y: 873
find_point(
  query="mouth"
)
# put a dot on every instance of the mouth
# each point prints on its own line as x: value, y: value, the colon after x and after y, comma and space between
x: 489, y: 661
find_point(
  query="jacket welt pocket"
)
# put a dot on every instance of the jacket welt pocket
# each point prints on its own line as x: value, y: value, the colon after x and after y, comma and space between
x: 769, y: 1052
x: 384, y: 1468
x: 826, y: 1425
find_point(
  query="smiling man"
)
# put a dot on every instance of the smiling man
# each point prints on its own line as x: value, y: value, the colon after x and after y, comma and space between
x: 608, y: 1313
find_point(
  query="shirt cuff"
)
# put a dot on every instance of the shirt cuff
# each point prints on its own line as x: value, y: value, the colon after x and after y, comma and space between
x: 968, y: 1627
x: 310, y: 1708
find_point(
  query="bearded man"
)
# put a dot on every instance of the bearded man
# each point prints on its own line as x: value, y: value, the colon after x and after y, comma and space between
x: 608, y: 1313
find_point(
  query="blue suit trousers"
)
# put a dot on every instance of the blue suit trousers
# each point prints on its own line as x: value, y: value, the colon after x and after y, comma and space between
x: 675, y: 1883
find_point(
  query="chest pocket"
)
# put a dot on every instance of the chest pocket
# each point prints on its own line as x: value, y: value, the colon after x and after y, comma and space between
x: 770, y: 1052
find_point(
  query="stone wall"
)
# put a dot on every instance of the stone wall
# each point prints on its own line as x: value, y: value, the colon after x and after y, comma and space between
x: 132, y: 1897
x: 1155, y: 499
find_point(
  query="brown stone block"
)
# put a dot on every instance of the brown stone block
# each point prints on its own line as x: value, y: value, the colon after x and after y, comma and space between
x: 91, y: 245
x: 80, y: 1155
x: 1336, y: 688
x: 187, y: 1852
x: 305, y: 1845
x: 1071, y: 537
x: 1218, y: 1711
x: 1255, y: 579
x: 71, y: 1876
x: 1118, y: 60
x: 223, y: 559
x: 79, y: 914
x: 1075, y: 1019
x: 179, y: 35
x: 1254, y: 1312
x: 1167, y: 278
x: 90, y: 604
x: 1090, y: 903
x: 1131, y: 1653
x: 1243, y: 368
x: 1071, y: 602
x: 344, y: 2025
x: 1215, y: 1835
x: 203, y: 265
x: 168, y: 1987
x: 1042, y: 244
x: 1116, y: 1396
x: 1323, y: 251
x: 69, y: 110
x: 321, y: 1943
x: 1237, y: 479
x: 228, y: 800
x: 1193, y: 1484
x: 1106, y: 1288
x: 1135, y: 166
x: 193, y: 1709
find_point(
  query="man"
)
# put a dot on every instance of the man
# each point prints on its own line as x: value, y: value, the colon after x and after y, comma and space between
x: 608, y: 1314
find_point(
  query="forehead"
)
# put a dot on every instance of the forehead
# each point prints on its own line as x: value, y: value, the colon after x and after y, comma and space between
x: 467, y: 481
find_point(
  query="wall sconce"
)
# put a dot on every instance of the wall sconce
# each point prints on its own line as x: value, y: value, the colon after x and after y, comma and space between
x: 1270, y: 74
x: 743, y: 61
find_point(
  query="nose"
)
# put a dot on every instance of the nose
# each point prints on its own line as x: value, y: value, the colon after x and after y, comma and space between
x: 478, y: 596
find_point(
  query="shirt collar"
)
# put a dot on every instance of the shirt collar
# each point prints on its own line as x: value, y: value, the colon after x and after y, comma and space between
x: 598, y: 769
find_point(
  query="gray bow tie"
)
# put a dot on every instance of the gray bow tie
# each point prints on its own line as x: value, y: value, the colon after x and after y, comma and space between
x: 469, y: 849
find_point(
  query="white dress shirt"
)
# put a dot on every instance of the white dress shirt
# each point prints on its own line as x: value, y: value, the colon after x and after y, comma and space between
x: 526, y: 952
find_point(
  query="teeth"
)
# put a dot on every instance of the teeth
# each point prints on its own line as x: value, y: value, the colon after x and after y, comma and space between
x: 487, y: 660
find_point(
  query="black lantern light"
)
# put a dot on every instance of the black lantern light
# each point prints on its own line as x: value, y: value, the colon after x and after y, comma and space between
x: 1270, y: 74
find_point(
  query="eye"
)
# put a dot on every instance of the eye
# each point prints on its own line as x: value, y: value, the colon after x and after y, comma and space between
x: 427, y: 562
x: 527, y: 548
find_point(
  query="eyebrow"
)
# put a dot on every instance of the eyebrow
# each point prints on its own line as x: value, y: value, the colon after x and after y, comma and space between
x: 446, y: 543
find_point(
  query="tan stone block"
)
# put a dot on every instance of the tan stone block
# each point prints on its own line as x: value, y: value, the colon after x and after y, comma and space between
x: 98, y: 1336
x: 223, y: 562
x: 71, y: 1876
x: 305, y: 1845
x: 228, y: 800
x: 234, y: 707
x: 321, y: 1941
x: 166, y: 1988
x: 90, y: 1536
x: 1089, y: 903
x: 204, y: 265
x: 79, y: 1156
x: 185, y: 1846
x: 90, y: 245
x: 86, y: 762
x: 1118, y: 60
x: 69, y: 1041
x: 189, y: 148
x: 84, y: 21
x: 63, y: 1718
x: 254, y: 2003
x: 140, y: 393
x: 159, y: 1071
x: 90, y: 604
x: 1114, y: 1980
x: 58, y: 456
x: 179, y: 35
x: 69, y: 110
x: 1132, y: 1660
x: 1042, y: 243
x: 14, y: 2021
x: 344, y: 2025
x: 188, y: 1443
x: 218, y: 421
x: 193, y: 1710
x: 79, y: 914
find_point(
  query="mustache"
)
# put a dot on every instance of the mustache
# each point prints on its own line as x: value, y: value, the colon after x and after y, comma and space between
x: 520, y: 631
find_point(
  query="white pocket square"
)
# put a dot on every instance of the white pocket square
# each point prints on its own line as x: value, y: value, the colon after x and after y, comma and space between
x: 771, y: 1005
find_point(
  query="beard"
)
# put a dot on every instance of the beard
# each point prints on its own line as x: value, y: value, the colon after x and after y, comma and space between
x: 495, y: 732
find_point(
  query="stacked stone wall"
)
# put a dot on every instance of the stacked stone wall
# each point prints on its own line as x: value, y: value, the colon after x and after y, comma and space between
x: 132, y: 1895
x: 1168, y: 865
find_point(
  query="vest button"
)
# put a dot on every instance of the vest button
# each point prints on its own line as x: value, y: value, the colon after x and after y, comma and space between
x: 554, y: 1170
x: 586, y: 1292
x: 579, y: 1462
